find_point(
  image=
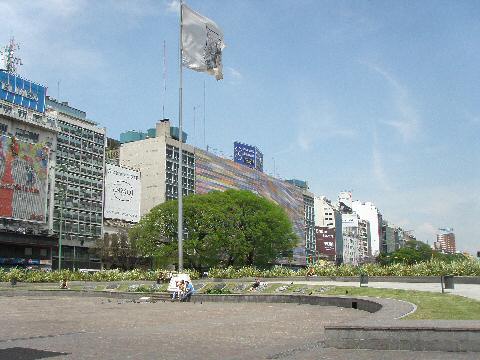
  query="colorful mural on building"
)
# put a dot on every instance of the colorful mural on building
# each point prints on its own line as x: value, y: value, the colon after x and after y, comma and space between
x: 215, y: 173
x: 23, y: 180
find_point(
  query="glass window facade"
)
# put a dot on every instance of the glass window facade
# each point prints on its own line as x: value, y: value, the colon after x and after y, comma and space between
x: 79, y: 183
x: 171, y: 173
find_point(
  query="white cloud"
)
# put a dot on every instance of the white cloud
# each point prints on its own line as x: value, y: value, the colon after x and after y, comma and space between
x: 319, y: 122
x: 173, y: 6
x: 233, y: 75
x: 379, y: 173
x: 407, y: 121
x: 424, y: 210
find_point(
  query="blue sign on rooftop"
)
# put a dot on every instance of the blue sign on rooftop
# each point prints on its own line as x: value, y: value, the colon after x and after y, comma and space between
x: 22, y: 92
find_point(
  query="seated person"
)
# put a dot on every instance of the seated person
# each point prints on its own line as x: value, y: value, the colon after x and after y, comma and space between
x: 188, y: 291
x: 255, y: 285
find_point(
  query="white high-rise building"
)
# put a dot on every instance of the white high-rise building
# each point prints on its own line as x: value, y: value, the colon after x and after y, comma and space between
x: 324, y: 212
x: 368, y: 211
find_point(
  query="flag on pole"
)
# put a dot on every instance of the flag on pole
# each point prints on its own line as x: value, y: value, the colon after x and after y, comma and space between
x: 202, y: 43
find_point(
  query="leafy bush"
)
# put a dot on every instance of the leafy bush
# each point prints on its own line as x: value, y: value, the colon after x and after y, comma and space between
x: 433, y: 267
x: 216, y: 291
x: 37, y: 276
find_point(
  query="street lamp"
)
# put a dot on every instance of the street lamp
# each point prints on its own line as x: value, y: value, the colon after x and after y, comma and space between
x: 62, y: 192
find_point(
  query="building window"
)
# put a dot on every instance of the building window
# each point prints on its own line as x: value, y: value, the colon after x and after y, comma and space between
x: 28, y: 251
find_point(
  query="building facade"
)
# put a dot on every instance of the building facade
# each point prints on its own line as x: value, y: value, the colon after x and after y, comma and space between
x: 77, y: 214
x: 216, y: 173
x: 28, y: 138
x: 445, y: 241
x: 328, y: 217
x: 369, y: 212
x: 157, y: 159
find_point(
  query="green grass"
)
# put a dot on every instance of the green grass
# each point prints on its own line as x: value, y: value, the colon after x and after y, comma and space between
x: 430, y: 305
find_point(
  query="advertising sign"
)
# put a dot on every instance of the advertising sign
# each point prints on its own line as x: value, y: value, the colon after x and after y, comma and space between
x: 23, y: 180
x: 325, y: 238
x: 247, y: 155
x: 22, y: 92
x: 122, y: 193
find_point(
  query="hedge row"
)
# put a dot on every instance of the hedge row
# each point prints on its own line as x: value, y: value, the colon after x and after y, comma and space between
x: 36, y: 276
x: 430, y: 268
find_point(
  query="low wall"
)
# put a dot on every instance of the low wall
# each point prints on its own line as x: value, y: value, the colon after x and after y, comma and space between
x: 340, y: 301
x: 401, y: 336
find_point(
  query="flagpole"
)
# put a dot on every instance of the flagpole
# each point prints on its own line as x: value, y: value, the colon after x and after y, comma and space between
x: 180, y: 152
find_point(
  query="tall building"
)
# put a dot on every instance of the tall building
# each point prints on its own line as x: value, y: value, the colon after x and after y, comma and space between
x: 368, y: 211
x: 157, y: 159
x: 79, y: 171
x: 28, y: 138
x: 351, y: 241
x: 445, y: 241
x: 309, y: 219
x: 216, y: 173
x: 328, y: 223
x: 345, y: 202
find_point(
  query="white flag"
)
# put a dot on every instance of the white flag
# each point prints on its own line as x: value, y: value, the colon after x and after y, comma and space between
x: 202, y: 43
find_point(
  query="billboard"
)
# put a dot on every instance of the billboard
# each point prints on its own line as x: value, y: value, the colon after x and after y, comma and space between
x: 247, y: 155
x: 22, y: 92
x: 23, y: 180
x: 122, y: 193
x: 215, y: 173
x: 325, y: 239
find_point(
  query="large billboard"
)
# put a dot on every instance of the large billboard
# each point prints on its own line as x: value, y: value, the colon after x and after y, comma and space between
x: 215, y: 173
x: 122, y: 193
x: 22, y: 92
x: 247, y: 155
x: 325, y: 238
x: 23, y: 180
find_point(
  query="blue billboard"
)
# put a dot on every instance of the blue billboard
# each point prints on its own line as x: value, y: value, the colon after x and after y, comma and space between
x: 247, y: 155
x: 22, y: 92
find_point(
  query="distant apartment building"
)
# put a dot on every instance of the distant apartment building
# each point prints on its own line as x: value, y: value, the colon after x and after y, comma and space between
x: 345, y: 201
x: 445, y: 241
x: 351, y: 239
x: 328, y: 226
x: 79, y: 186
x: 393, y: 237
x: 157, y: 158
x: 369, y: 212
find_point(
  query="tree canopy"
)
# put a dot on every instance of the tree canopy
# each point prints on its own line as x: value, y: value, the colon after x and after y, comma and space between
x: 414, y: 252
x: 231, y: 228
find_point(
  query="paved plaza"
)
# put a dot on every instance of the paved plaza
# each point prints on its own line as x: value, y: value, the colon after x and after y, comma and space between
x: 60, y: 327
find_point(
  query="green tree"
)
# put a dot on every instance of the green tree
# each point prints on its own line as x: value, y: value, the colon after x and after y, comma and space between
x: 221, y: 229
x: 413, y: 252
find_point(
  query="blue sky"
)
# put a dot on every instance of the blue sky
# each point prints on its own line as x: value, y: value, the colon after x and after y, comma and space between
x: 377, y: 97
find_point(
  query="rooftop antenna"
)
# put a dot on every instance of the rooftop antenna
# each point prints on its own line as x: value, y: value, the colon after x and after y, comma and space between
x: 11, y: 62
x: 164, y: 78
x: 58, y: 89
